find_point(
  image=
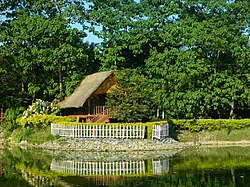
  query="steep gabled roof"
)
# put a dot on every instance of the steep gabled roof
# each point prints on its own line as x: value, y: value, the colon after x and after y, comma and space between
x: 87, y: 87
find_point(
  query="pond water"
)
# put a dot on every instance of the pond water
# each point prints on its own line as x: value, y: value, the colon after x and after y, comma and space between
x: 217, y: 166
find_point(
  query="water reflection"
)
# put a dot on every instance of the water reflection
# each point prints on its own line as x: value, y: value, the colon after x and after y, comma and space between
x: 192, y: 167
x: 109, y: 168
x: 36, y: 180
x: 99, y: 168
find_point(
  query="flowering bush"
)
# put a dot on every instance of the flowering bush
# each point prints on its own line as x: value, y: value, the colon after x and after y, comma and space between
x: 40, y: 107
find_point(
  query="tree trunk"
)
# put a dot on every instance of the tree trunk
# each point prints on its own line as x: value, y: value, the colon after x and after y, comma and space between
x: 60, y: 80
x: 233, y: 177
x: 231, y: 115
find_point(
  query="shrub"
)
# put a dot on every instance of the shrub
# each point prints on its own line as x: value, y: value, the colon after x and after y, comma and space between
x: 10, y: 116
x: 42, y: 121
x: 21, y: 134
x: 40, y: 136
x: 40, y: 107
x: 210, y: 124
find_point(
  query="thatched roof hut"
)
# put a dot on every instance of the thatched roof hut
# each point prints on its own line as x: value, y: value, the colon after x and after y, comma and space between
x: 89, y: 95
x: 87, y: 87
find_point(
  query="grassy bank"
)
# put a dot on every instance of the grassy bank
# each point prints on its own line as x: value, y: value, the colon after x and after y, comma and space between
x: 223, y: 135
x: 39, y: 136
x: 36, y: 130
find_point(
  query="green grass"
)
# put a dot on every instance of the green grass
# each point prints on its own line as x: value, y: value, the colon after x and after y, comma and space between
x: 40, y: 136
x: 217, y: 135
x: 33, y: 136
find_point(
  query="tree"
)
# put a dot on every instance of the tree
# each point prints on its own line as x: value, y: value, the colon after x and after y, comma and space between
x: 126, y: 39
x: 45, y: 55
x: 130, y: 100
x: 195, y: 52
x: 207, y: 75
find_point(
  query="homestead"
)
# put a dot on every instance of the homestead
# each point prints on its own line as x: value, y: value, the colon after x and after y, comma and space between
x: 87, y: 102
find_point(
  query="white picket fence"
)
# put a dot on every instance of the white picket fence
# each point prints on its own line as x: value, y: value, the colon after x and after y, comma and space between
x: 98, y: 131
x: 99, y: 168
x: 160, y: 166
x: 160, y: 131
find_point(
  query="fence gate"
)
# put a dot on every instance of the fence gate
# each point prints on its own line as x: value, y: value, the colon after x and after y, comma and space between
x: 160, y: 131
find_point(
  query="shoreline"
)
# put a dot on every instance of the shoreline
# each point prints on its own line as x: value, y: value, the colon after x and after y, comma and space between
x: 117, y: 145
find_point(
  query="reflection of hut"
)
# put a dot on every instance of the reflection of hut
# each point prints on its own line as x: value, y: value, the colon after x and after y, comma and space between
x: 87, y: 101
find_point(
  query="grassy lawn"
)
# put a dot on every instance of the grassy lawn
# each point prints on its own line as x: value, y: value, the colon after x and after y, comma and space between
x: 34, y: 136
x: 217, y: 135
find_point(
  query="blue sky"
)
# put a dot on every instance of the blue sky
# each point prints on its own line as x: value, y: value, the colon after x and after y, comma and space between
x: 91, y: 37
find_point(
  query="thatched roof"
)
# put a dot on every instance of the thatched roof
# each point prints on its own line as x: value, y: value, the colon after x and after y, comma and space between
x: 87, y: 87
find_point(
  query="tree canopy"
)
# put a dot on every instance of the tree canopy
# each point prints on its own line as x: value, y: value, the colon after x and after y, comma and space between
x: 193, y: 55
x: 43, y: 56
x: 196, y: 52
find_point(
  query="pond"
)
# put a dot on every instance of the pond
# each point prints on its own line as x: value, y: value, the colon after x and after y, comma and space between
x: 216, y: 166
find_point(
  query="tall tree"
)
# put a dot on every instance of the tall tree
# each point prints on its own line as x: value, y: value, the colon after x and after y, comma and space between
x: 48, y: 56
x: 131, y: 100
x: 196, y: 52
x: 207, y: 75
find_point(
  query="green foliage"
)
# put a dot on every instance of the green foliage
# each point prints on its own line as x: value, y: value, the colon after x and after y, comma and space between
x: 222, y: 136
x: 192, y: 57
x: 21, y: 134
x: 43, y: 121
x: 10, y: 116
x: 195, y: 52
x: 210, y: 124
x: 39, y: 136
x: 41, y: 55
x: 130, y: 100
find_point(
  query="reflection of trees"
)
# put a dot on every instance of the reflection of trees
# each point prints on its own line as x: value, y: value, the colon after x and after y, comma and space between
x: 10, y: 176
x: 38, y: 181
x: 197, y: 167
x: 212, y: 158
x: 1, y: 169
x: 212, y: 166
x: 27, y: 168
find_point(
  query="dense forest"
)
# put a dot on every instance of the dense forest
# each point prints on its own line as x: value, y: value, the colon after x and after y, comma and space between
x: 181, y: 58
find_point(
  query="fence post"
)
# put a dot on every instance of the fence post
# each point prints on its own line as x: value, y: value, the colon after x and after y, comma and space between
x: 51, y: 128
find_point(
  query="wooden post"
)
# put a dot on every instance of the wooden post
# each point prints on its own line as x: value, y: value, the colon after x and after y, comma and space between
x: 89, y: 107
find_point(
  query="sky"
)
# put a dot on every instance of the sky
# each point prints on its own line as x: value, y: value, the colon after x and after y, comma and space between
x: 91, y: 38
